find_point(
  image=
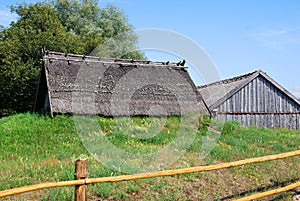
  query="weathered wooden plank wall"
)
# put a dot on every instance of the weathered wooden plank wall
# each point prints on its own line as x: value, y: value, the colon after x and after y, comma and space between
x: 260, y: 103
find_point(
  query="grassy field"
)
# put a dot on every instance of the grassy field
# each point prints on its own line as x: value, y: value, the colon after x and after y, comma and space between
x: 36, y: 149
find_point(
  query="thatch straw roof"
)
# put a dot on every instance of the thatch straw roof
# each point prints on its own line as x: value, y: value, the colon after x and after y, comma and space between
x: 215, y: 91
x: 113, y: 87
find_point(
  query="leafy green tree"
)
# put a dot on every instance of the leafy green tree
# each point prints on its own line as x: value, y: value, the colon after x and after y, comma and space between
x: 21, y: 45
x: 70, y: 26
x: 79, y: 17
x: 106, y: 31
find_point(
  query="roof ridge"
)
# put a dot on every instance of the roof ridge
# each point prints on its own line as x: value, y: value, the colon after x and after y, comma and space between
x: 230, y: 80
x: 77, y: 57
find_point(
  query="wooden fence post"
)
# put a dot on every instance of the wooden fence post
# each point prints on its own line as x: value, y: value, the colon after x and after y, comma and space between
x: 81, y: 172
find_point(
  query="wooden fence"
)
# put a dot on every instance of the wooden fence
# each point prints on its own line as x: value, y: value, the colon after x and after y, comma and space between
x: 81, y: 181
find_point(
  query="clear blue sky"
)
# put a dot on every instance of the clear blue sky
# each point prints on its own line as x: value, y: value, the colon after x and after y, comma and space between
x: 239, y: 36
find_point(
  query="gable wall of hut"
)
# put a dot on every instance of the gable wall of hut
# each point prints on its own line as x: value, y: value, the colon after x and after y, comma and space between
x: 262, y: 104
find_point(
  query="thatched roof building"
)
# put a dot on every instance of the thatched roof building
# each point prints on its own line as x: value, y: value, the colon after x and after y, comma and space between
x: 113, y: 87
x: 252, y: 99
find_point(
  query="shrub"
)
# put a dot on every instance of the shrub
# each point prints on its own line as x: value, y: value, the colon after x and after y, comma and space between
x: 230, y: 128
x: 204, y: 123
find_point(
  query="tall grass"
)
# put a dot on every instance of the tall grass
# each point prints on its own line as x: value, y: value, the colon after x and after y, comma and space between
x: 37, y: 148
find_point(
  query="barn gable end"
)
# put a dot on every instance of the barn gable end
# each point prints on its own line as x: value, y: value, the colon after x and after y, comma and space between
x: 256, y: 99
x: 114, y: 87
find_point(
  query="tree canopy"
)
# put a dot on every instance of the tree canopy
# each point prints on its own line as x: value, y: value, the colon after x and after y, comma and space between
x: 106, y: 31
x: 70, y: 26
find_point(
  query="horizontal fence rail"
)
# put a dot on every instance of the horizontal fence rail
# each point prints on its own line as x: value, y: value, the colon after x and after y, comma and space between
x: 79, y: 182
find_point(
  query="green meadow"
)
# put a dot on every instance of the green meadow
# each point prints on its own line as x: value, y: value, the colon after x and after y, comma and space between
x: 37, y: 148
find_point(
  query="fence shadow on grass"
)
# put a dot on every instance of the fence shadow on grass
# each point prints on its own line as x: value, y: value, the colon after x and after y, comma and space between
x: 261, y: 189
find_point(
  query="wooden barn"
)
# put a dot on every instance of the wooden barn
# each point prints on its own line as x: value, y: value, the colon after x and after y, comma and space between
x: 114, y: 87
x: 252, y: 99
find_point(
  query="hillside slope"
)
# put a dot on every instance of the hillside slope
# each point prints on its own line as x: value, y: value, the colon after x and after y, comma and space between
x: 36, y: 149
